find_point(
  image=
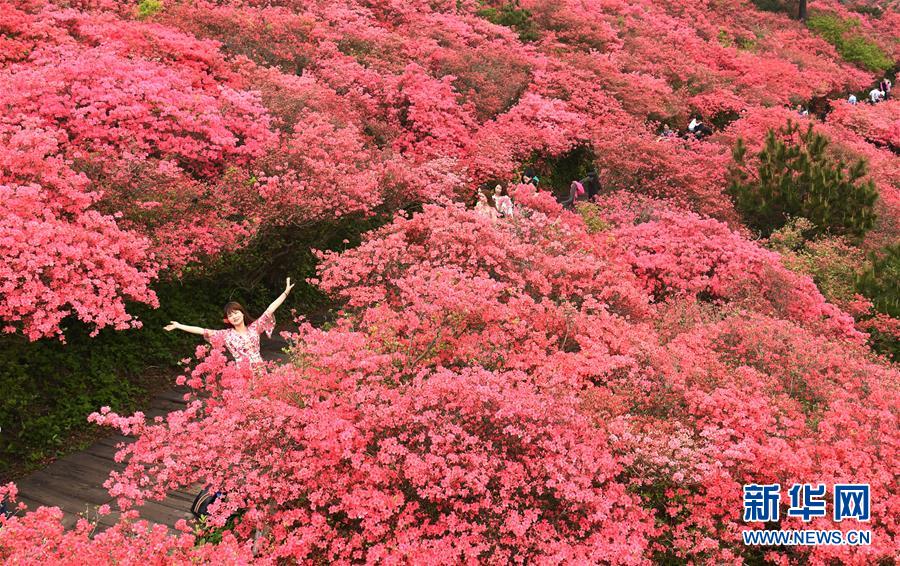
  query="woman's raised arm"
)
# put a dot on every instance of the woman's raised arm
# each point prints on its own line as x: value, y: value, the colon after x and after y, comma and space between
x: 277, y: 302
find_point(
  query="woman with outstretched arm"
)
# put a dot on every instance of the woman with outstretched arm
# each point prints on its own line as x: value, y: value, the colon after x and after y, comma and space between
x: 242, y: 338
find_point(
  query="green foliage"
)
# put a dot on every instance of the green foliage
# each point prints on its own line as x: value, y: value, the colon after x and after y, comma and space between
x: 720, y: 120
x: 778, y: 6
x: 872, y: 10
x: 880, y: 281
x: 208, y: 534
x: 832, y: 262
x: 746, y: 43
x: 724, y: 39
x: 511, y: 16
x: 148, y: 8
x: 557, y: 173
x: 593, y: 220
x: 842, y: 272
x: 849, y: 42
x: 796, y: 177
x: 50, y: 387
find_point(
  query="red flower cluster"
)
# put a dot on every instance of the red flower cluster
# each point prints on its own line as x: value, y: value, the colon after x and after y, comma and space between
x: 531, y: 390
x: 182, y: 128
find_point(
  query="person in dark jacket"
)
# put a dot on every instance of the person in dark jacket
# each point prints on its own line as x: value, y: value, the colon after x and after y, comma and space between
x: 529, y: 176
x: 591, y: 184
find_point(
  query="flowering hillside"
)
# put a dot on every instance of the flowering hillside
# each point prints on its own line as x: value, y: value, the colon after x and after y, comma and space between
x: 553, y: 387
x: 179, y: 129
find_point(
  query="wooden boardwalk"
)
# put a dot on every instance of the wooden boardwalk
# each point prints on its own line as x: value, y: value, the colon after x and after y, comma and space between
x: 74, y: 483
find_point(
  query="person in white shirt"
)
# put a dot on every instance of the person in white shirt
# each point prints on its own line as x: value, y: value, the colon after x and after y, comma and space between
x: 852, y: 99
x: 502, y: 202
x: 876, y: 95
x: 699, y: 129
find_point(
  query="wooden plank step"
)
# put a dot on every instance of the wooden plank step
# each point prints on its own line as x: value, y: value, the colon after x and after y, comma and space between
x: 106, y: 452
x: 68, y: 502
x: 173, y: 396
x: 160, y: 403
x: 96, y: 469
x: 69, y: 519
x: 65, y: 488
x: 89, y: 488
x: 89, y: 461
x: 157, y: 513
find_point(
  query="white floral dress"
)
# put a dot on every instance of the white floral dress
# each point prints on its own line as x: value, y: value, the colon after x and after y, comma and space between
x: 243, y: 347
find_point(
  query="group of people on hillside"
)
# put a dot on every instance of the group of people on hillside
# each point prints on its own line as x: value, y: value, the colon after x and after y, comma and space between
x: 699, y: 130
x: 878, y: 94
x: 696, y: 129
x: 499, y: 206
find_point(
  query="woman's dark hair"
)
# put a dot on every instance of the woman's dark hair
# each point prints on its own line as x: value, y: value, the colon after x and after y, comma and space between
x: 232, y: 306
x: 529, y: 172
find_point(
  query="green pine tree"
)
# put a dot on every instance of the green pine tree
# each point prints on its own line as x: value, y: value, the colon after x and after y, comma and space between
x: 880, y: 281
x: 796, y: 177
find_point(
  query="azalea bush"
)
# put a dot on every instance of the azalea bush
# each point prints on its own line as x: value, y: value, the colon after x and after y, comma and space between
x: 533, y: 390
x: 552, y: 387
x: 178, y: 131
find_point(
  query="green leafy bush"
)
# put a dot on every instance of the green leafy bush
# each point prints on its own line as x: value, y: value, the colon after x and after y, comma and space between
x: 50, y: 387
x: 511, y: 16
x: 593, y: 219
x: 148, y: 8
x: 831, y: 261
x: 880, y: 282
x: 796, y: 177
x: 849, y: 42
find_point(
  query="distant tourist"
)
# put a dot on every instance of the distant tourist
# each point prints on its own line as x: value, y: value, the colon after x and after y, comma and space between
x: 483, y: 207
x: 852, y: 99
x: 502, y: 202
x: 242, y: 337
x: 591, y: 183
x: 576, y: 192
x: 693, y: 124
x: 666, y: 133
x: 530, y: 177
x: 802, y: 111
x: 876, y: 95
x: 885, y: 87
x: 699, y: 129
